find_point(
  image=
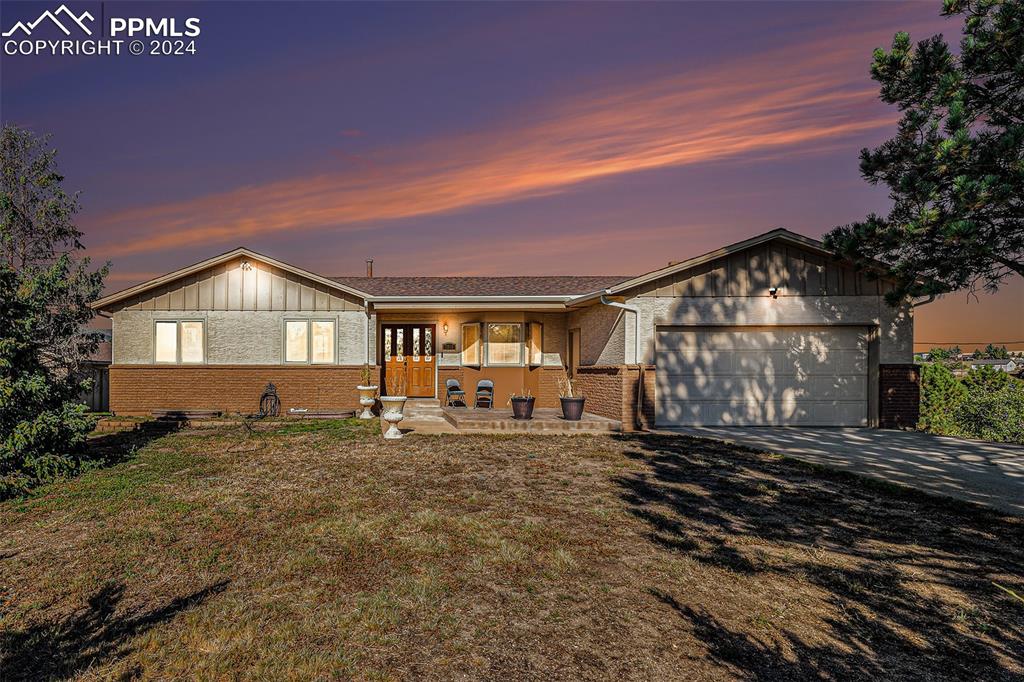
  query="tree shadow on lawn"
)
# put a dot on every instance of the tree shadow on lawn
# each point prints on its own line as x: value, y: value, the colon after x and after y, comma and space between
x: 902, y: 581
x: 114, y: 448
x: 93, y: 636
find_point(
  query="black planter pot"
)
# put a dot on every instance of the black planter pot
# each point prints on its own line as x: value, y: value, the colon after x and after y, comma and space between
x: 522, y: 408
x: 572, y: 408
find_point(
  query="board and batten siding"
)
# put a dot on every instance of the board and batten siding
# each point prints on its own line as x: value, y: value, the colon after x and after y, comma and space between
x: 229, y: 286
x: 752, y: 272
x: 733, y: 290
x: 244, y: 310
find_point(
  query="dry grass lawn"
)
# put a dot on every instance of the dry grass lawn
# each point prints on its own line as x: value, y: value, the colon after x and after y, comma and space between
x: 316, y: 550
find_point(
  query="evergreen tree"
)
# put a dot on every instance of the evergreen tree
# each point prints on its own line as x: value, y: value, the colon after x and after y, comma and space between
x: 955, y: 169
x: 45, y: 289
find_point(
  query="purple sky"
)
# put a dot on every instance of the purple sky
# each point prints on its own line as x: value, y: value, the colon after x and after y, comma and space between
x: 477, y: 138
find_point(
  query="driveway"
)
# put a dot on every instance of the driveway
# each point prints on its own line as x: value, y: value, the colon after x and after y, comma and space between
x: 987, y: 473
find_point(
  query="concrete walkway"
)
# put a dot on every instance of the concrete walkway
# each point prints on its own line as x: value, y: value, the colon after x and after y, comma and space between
x: 986, y: 473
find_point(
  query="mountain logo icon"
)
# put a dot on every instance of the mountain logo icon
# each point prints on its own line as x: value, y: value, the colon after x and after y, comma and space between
x: 61, y: 11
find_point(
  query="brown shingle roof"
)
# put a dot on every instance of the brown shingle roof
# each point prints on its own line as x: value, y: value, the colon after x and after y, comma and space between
x: 561, y: 285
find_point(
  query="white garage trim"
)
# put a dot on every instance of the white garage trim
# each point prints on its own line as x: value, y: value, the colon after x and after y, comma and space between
x: 766, y: 375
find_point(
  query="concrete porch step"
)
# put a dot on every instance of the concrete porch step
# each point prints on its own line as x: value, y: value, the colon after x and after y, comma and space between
x: 424, y: 409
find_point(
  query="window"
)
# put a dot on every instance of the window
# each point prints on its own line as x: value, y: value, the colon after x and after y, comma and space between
x: 191, y: 341
x: 309, y: 341
x: 179, y: 342
x: 471, y: 353
x: 323, y: 341
x: 504, y: 344
x: 166, y: 342
x: 296, y: 343
x: 535, y: 345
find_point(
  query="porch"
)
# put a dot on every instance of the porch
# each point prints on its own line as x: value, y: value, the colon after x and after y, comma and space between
x: 545, y: 420
x: 429, y: 417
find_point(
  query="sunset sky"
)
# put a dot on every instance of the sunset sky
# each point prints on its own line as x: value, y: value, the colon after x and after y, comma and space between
x: 478, y: 138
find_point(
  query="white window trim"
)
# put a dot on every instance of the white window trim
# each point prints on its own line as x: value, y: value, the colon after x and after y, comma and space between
x: 177, y: 341
x: 487, y: 344
x: 309, y: 340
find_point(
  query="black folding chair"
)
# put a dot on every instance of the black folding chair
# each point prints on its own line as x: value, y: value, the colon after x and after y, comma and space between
x: 484, y: 393
x: 453, y: 393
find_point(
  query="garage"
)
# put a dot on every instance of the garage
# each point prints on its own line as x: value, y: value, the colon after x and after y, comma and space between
x: 762, y: 376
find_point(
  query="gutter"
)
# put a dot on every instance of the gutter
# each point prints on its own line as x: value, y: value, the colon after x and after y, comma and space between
x: 441, y: 300
x: 638, y: 420
x: 931, y: 297
x: 366, y: 336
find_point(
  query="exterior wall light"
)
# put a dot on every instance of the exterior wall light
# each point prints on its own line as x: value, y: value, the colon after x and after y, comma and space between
x: 444, y: 327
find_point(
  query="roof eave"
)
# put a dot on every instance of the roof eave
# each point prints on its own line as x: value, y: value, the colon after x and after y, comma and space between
x: 102, y: 303
x: 467, y: 299
x: 777, y: 233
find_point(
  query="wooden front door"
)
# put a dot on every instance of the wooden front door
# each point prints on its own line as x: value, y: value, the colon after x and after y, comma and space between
x: 408, y: 352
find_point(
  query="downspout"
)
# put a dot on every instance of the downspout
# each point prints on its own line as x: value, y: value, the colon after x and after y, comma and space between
x: 366, y: 336
x: 638, y: 414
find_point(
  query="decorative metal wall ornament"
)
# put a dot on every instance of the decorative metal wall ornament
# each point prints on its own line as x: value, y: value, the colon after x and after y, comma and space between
x: 270, y: 404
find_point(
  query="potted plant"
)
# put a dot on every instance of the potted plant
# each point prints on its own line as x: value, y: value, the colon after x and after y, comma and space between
x: 572, y: 401
x: 522, y: 406
x: 393, y: 404
x: 367, y: 392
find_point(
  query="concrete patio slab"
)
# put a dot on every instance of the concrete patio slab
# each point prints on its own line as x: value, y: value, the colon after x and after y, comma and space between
x: 545, y: 420
x: 986, y: 473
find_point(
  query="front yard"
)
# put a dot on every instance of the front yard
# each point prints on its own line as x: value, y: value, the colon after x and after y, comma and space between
x: 317, y: 550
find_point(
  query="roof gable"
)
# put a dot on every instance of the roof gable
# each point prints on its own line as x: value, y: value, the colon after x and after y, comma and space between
x: 780, y: 258
x: 240, y: 279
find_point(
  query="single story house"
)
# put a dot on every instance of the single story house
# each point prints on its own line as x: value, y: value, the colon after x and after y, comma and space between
x: 768, y: 331
x: 1008, y: 365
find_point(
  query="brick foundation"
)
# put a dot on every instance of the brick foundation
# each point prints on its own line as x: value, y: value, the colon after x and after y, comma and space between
x: 141, y: 389
x: 899, y: 401
x: 611, y: 392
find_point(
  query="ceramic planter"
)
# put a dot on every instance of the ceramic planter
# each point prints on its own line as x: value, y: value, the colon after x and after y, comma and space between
x: 392, y: 414
x: 572, y: 409
x: 522, y: 408
x: 367, y: 398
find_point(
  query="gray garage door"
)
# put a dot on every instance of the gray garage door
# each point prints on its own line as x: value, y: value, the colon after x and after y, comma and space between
x: 809, y: 376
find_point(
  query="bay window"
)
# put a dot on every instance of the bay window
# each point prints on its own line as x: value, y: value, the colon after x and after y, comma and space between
x: 471, y: 342
x: 535, y: 345
x: 504, y: 343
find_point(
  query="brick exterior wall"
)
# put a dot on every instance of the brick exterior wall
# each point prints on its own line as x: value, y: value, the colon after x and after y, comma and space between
x: 141, y: 389
x: 611, y: 392
x: 899, y: 401
x: 547, y: 386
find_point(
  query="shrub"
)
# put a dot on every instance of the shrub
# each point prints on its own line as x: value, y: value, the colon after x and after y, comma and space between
x: 984, y: 404
x: 993, y: 410
x: 941, y: 396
